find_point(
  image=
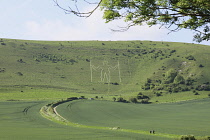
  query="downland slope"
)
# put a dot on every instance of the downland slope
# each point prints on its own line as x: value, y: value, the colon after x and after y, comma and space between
x: 160, y: 71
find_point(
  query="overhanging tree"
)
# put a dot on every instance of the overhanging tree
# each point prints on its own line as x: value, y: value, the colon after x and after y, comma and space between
x: 172, y: 14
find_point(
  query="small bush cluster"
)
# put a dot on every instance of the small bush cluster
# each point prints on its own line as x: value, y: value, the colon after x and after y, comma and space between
x: 120, y: 99
x: 133, y: 100
x: 2, y: 69
x: 141, y: 96
x: 191, y: 137
x: 53, y: 58
x: 190, y: 57
x: 19, y: 73
x: 115, y: 83
x: 20, y: 61
x: 187, y: 137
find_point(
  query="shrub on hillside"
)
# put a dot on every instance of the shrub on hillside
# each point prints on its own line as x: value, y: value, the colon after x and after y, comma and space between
x: 120, y: 99
x: 201, y: 66
x: 172, y: 51
x: 82, y: 97
x: 170, y: 76
x: 203, y: 87
x: 196, y: 93
x: 146, y: 86
x: 2, y: 69
x: 145, y: 101
x: 158, y: 94
x: 133, y: 100
x: 72, y: 61
x: 72, y: 98
x: 141, y: 96
x: 19, y: 73
x: 140, y: 93
x: 115, y: 83
x: 189, y: 81
x: 179, y: 79
x: 190, y: 57
x: 175, y: 89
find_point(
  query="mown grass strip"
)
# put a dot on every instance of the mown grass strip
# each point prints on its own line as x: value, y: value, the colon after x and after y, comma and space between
x: 49, y: 112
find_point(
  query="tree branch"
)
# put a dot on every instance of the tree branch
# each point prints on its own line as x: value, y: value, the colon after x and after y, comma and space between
x: 78, y: 13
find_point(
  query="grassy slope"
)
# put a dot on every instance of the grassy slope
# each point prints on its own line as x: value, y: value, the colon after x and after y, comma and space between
x: 39, y: 78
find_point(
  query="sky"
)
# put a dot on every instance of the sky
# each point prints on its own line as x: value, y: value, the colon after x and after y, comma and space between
x: 43, y: 20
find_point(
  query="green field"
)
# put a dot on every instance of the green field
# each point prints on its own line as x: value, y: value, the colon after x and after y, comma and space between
x: 174, y: 118
x: 22, y: 121
x: 36, y: 73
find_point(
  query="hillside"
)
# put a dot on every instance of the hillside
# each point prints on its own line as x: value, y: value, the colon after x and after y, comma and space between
x: 57, y: 69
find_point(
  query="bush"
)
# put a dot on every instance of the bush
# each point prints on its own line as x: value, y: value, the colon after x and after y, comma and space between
x: 2, y: 69
x: 170, y: 76
x: 83, y: 97
x: 72, y: 98
x: 115, y: 83
x: 201, y: 66
x: 190, y: 57
x: 189, y: 81
x: 158, y: 94
x: 19, y: 73
x: 187, y: 137
x: 140, y: 93
x: 142, y: 97
x: 175, y: 89
x: 179, y: 79
x: 145, y: 101
x: 120, y: 99
x: 133, y: 100
x: 196, y: 93
x: 149, y: 80
x: 72, y: 61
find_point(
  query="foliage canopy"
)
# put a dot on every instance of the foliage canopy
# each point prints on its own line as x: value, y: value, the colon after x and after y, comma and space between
x: 172, y: 14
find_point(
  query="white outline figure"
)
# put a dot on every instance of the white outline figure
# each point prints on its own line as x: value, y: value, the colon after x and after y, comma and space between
x: 105, y: 71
